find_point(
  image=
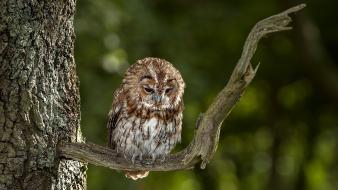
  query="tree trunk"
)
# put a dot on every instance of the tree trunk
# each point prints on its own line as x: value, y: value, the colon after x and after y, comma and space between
x: 39, y: 95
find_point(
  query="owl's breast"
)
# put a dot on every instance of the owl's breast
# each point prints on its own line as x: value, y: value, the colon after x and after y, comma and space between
x: 151, y: 137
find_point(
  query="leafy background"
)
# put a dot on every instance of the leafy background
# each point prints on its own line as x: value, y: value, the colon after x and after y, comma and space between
x: 281, y: 135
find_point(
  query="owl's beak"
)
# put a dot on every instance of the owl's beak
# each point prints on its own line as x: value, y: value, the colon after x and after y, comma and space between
x: 157, y: 98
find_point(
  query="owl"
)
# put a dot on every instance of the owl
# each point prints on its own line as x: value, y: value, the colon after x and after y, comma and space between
x: 145, y: 120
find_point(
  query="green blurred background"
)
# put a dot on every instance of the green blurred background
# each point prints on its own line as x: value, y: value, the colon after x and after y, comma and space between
x: 281, y: 135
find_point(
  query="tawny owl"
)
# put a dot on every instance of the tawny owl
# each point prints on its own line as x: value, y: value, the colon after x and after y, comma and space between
x: 146, y: 116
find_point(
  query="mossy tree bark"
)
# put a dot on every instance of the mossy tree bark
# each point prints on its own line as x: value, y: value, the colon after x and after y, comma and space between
x: 39, y: 96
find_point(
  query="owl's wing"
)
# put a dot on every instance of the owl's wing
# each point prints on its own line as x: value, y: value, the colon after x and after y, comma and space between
x: 113, y: 116
x: 111, y: 126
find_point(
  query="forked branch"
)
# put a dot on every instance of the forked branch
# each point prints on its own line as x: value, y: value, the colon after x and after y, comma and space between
x: 203, y: 146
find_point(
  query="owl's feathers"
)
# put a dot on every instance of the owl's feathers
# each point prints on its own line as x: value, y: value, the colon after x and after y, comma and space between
x: 146, y: 116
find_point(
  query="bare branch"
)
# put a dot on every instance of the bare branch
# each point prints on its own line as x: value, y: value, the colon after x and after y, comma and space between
x: 204, y: 145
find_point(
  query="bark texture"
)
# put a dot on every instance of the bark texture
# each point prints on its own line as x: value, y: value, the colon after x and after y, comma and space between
x: 39, y: 96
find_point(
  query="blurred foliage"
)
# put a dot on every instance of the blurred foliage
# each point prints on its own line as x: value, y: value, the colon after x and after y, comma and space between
x: 281, y: 135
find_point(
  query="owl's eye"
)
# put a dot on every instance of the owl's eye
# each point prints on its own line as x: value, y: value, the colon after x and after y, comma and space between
x: 168, y: 90
x: 149, y: 90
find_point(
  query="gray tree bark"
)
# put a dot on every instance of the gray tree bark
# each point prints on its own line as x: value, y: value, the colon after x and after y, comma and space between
x: 39, y: 95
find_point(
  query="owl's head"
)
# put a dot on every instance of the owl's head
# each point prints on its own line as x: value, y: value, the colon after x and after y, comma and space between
x: 154, y: 84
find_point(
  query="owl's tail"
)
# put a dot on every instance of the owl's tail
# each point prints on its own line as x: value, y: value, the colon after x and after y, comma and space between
x: 135, y: 175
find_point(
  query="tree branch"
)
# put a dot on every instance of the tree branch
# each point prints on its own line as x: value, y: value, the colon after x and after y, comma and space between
x: 203, y: 146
